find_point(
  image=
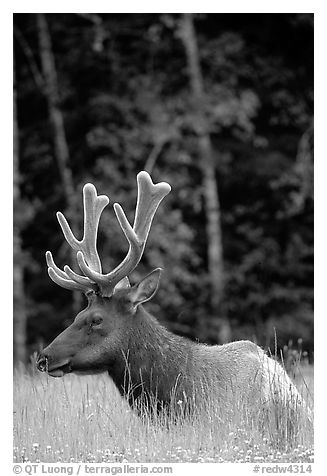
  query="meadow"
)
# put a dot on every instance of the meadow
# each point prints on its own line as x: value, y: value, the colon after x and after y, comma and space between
x: 84, y: 419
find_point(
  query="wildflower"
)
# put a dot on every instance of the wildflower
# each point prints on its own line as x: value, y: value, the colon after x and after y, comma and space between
x: 258, y: 458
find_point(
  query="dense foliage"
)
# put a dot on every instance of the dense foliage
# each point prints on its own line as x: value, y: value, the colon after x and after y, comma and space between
x: 125, y: 98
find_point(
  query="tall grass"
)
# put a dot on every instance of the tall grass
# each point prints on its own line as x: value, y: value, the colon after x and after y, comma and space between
x: 85, y: 419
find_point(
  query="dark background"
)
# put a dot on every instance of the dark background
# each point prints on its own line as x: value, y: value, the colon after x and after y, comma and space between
x: 99, y: 97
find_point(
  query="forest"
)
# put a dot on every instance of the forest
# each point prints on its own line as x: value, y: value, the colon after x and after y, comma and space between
x: 220, y: 106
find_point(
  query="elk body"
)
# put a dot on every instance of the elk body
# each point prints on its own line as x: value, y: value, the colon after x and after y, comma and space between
x: 116, y: 334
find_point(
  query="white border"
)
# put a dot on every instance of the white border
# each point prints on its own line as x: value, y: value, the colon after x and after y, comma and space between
x: 278, y: 6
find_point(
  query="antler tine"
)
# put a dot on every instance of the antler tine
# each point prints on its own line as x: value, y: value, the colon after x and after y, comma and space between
x: 66, y: 283
x: 62, y: 278
x: 93, y: 207
x: 148, y: 200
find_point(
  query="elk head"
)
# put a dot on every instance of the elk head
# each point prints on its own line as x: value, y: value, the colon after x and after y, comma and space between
x: 101, y: 331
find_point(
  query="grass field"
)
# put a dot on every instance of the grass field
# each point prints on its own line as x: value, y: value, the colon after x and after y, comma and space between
x: 84, y: 419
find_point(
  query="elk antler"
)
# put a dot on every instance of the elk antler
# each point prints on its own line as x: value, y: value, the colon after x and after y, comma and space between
x: 148, y: 200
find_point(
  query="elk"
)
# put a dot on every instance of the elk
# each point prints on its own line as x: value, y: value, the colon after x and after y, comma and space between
x: 116, y: 334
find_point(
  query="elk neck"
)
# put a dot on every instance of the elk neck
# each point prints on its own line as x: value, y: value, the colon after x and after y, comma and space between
x: 156, y: 362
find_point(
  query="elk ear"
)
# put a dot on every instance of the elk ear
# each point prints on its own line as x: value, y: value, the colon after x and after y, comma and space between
x: 146, y: 288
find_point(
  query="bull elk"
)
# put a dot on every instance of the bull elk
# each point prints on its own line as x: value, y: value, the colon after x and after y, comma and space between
x: 115, y: 333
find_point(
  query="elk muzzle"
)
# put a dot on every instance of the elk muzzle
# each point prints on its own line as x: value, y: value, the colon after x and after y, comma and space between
x: 42, y: 363
x: 55, y: 369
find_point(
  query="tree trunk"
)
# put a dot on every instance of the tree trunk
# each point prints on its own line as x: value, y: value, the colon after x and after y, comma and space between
x: 210, y: 185
x: 18, y: 272
x: 304, y: 169
x: 56, y: 117
x: 61, y: 150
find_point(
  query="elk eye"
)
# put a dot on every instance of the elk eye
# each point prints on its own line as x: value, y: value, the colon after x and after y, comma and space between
x: 96, y: 321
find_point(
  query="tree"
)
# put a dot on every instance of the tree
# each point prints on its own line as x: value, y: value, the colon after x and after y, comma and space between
x: 61, y: 150
x: 209, y: 182
x: 18, y: 271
